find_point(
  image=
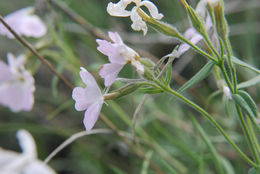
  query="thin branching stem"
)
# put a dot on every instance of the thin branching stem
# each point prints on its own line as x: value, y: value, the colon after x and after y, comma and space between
x: 211, y: 119
x: 35, y: 52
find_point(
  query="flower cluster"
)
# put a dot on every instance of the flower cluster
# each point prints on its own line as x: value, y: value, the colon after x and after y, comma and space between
x: 90, y: 98
x: 16, y: 84
x: 119, y: 10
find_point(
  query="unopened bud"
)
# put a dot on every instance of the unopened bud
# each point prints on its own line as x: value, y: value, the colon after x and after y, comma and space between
x: 147, y: 63
x: 197, y: 23
x: 125, y: 90
x: 160, y: 26
x: 221, y: 23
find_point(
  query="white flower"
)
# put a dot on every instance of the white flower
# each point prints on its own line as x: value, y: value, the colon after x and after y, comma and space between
x: 89, y: 98
x: 16, y: 84
x: 24, y: 22
x: 25, y: 162
x: 119, y: 10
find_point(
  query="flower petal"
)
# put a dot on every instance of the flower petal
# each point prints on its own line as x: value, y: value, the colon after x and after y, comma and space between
x: 109, y: 72
x: 189, y: 33
x: 24, y: 23
x: 114, y: 36
x: 37, y: 167
x: 152, y: 9
x: 110, y: 50
x: 26, y: 143
x: 5, y: 73
x: 84, y: 97
x: 89, y: 80
x: 92, y: 114
x: 139, y: 67
x: 16, y: 63
x: 138, y: 23
x: 80, y: 96
x: 18, y: 95
x: 118, y: 9
x: 33, y: 27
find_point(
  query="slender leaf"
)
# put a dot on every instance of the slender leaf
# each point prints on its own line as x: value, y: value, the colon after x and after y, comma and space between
x: 168, y: 76
x: 250, y: 82
x: 251, y: 103
x: 145, y: 166
x: 211, y: 147
x: 254, y: 171
x: 243, y: 104
x: 203, y: 73
x: 244, y: 64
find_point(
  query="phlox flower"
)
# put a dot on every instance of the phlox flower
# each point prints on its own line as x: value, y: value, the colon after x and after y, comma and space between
x: 193, y: 36
x: 25, y: 162
x: 89, y: 98
x: 118, y: 54
x: 119, y: 10
x: 24, y: 22
x: 16, y: 84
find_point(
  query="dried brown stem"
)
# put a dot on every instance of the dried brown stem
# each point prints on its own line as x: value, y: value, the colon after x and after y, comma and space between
x: 35, y: 52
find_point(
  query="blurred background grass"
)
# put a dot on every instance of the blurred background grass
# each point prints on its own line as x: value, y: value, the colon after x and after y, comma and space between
x: 164, y: 125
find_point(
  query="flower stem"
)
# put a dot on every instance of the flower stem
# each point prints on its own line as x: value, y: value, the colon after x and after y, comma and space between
x: 232, y: 68
x: 210, y: 118
x: 249, y: 138
x: 197, y: 49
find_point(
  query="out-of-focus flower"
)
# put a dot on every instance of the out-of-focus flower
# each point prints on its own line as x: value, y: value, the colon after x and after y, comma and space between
x: 193, y: 36
x: 118, y: 54
x: 224, y: 88
x: 89, y: 98
x: 24, y: 22
x: 119, y: 10
x: 16, y: 84
x: 25, y: 162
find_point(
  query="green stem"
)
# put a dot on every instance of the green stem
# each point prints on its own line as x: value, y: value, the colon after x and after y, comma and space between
x: 197, y: 49
x: 225, y: 74
x: 207, y: 141
x: 232, y: 68
x: 210, y: 118
x: 221, y: 63
x: 252, y: 132
x: 249, y: 138
x: 205, y: 36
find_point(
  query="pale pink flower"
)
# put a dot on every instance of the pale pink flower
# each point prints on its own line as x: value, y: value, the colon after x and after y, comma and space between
x: 118, y: 54
x: 23, y: 163
x: 24, y: 22
x: 193, y: 36
x: 16, y: 84
x: 119, y: 10
x: 89, y: 98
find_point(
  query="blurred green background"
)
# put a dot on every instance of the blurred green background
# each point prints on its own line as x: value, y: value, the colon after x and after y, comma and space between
x: 164, y: 127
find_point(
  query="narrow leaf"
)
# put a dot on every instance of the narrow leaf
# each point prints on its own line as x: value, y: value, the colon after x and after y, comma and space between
x: 254, y: 171
x: 250, y: 82
x: 203, y: 73
x: 168, y: 76
x: 250, y: 102
x: 243, y: 104
x: 244, y: 64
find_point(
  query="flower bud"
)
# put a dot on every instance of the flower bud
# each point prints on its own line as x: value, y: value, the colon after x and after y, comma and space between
x: 221, y: 23
x: 147, y: 63
x: 195, y: 20
x: 125, y: 90
x: 160, y: 26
